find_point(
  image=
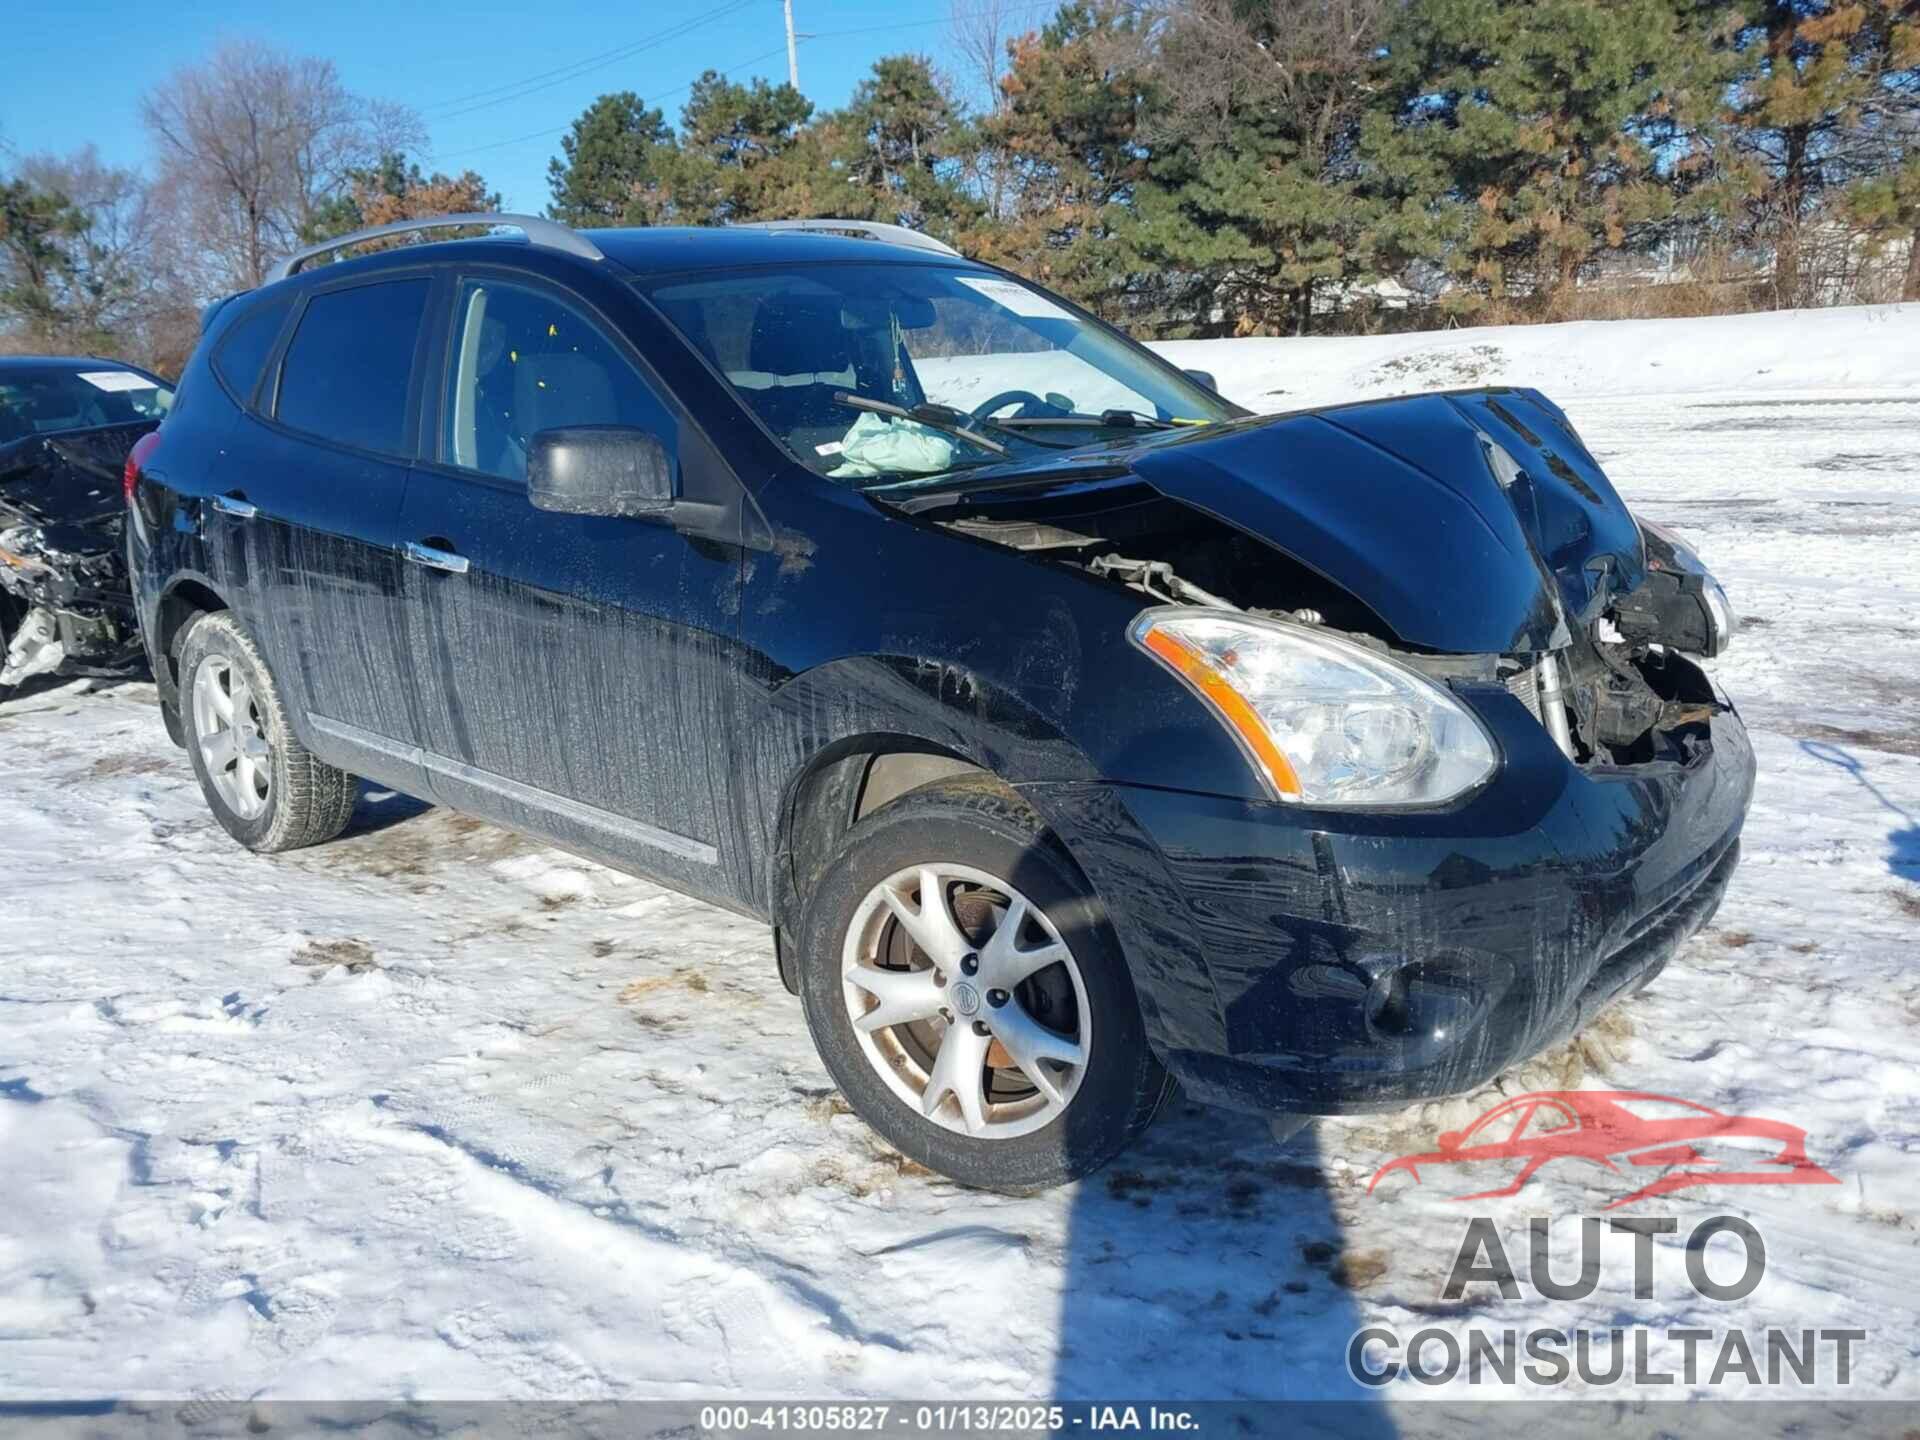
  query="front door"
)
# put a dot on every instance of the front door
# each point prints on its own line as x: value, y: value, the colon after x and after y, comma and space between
x: 575, y: 669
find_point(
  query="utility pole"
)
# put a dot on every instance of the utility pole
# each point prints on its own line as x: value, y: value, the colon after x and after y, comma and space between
x: 793, y: 53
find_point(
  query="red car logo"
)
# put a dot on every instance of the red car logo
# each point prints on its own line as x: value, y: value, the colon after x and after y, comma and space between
x: 1622, y: 1127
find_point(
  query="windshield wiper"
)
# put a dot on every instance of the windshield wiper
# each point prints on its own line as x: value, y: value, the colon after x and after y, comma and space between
x: 1106, y: 420
x: 934, y: 417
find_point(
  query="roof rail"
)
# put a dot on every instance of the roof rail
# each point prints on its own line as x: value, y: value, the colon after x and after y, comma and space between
x: 864, y: 229
x: 538, y: 232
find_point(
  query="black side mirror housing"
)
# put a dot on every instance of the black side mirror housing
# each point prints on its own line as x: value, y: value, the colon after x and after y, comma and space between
x: 601, y: 470
x: 1202, y: 377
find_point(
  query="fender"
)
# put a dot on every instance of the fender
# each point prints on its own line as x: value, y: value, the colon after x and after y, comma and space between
x: 881, y: 704
x: 187, y: 590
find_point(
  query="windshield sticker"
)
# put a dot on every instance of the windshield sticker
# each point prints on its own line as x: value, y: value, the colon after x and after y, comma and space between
x: 116, y: 380
x: 1017, y: 298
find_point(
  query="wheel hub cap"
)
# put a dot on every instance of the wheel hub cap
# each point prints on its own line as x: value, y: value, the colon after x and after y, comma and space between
x: 966, y: 1001
x: 232, y: 736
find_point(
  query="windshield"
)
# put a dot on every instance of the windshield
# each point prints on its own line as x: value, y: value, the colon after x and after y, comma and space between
x: 36, y: 402
x: 989, y: 368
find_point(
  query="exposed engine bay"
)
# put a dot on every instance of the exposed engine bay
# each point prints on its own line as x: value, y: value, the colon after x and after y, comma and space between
x: 1621, y: 691
x: 65, y: 607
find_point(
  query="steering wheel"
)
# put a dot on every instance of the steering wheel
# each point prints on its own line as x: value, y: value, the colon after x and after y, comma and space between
x: 1004, y: 399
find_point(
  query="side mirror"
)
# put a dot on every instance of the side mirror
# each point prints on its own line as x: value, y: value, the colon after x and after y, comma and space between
x: 1202, y: 377
x: 601, y: 470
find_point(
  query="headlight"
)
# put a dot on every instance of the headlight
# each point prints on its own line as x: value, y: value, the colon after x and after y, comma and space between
x: 1323, y: 721
x: 1667, y: 553
x: 1719, y: 613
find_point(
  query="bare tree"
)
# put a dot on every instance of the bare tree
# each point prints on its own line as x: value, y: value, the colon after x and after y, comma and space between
x: 980, y: 32
x: 252, y: 143
x: 80, y: 268
x: 1308, y: 61
x: 106, y: 278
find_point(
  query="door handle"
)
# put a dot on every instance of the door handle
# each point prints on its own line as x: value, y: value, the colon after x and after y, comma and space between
x: 435, y: 559
x: 236, y: 506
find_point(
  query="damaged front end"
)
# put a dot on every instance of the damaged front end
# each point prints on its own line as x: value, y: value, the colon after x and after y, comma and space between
x: 65, y: 604
x: 1469, y: 538
x: 1443, y: 641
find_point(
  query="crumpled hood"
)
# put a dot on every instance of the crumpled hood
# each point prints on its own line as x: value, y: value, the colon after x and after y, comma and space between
x: 68, y: 482
x: 69, y: 477
x: 1396, y: 502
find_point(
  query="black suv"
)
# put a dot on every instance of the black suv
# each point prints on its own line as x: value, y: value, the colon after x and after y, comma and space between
x: 1074, y: 731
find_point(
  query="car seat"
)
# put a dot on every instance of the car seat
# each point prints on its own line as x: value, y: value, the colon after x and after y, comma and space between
x: 799, y: 358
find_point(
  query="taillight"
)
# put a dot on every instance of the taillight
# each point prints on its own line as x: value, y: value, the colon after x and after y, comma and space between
x: 136, y: 457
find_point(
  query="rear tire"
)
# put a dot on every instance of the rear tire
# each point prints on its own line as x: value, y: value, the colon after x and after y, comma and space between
x: 968, y: 977
x: 265, y: 788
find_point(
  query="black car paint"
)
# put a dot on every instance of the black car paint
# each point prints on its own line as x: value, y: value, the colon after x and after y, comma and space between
x: 1463, y: 569
x: 677, y: 699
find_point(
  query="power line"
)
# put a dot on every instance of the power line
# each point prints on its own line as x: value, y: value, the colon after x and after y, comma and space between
x: 561, y: 128
x: 922, y: 24
x: 731, y: 70
x: 547, y: 79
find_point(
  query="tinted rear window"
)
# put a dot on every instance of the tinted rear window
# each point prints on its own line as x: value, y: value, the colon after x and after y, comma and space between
x: 244, y: 349
x: 345, y: 375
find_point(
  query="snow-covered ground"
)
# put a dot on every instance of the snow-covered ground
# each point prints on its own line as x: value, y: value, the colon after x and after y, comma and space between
x: 1859, y: 351
x: 436, y: 1112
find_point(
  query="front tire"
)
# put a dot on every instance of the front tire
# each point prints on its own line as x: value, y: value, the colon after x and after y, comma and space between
x: 265, y: 788
x: 969, y: 997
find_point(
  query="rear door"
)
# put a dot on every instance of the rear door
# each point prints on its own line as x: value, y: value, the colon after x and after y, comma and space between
x: 577, y: 671
x: 305, y: 524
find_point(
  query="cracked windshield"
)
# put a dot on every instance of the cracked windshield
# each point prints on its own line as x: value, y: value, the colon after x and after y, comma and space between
x: 882, y: 373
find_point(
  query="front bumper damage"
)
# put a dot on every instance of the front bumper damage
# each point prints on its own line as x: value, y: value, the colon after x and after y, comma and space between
x: 74, y: 613
x: 1323, y: 962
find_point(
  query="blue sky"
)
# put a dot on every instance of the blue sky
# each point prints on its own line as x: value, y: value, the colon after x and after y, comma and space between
x: 79, y: 66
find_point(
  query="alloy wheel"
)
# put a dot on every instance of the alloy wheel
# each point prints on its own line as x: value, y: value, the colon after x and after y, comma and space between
x: 232, y: 736
x: 966, y: 1001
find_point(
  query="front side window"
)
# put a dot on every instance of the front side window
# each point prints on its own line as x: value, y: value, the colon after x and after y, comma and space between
x: 525, y: 361
x: 345, y: 375
x: 798, y: 345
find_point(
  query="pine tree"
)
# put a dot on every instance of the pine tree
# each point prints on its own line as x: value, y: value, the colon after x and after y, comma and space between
x: 1070, y: 133
x: 612, y: 153
x: 1553, y: 127
x: 1827, y: 100
x: 396, y: 189
x: 1887, y: 208
x: 894, y: 151
x: 40, y: 230
x: 1256, y: 198
x: 728, y: 164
